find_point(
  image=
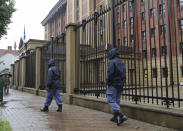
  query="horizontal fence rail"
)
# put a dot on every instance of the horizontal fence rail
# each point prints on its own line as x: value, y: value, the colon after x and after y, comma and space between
x: 148, y: 35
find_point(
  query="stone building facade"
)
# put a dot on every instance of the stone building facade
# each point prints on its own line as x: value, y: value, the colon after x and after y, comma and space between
x: 147, y: 24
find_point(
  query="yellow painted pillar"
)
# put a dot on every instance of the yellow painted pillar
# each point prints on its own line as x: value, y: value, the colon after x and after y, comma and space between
x: 72, y: 62
x: 12, y: 73
x: 38, y: 69
x: 17, y: 74
x: 23, y: 71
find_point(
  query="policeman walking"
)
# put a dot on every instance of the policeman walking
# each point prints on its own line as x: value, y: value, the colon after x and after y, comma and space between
x: 116, y: 77
x: 53, y: 87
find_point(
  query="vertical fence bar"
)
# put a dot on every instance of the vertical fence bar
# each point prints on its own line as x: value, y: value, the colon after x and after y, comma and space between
x: 155, y: 50
x: 180, y: 34
x: 133, y: 46
x: 138, y: 46
x: 52, y: 41
x: 112, y: 24
x: 150, y: 51
x: 142, y: 49
x: 175, y: 30
x: 164, y: 51
x: 170, y: 52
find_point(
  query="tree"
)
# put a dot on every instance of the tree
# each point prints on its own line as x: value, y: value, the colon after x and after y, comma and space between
x: 6, y: 11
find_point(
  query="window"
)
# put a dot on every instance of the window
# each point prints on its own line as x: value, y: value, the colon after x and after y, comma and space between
x: 152, y: 12
x: 181, y: 47
x: 181, y: 24
x: 124, y: 23
x: 119, y: 26
x: 162, y: 9
x: 153, y: 32
x: 143, y: 17
x: 163, y: 51
x: 154, y: 73
x: 101, y: 23
x: 132, y: 38
x: 101, y: 37
x: 154, y: 52
x: 125, y: 41
x: 124, y: 7
x: 78, y: 11
x: 145, y: 73
x: 117, y: 10
x: 131, y: 4
x: 181, y: 2
x: 119, y: 41
x: 165, y: 72
x: 162, y: 29
x: 142, y: 1
x: 131, y: 21
x: 100, y: 8
x: 181, y: 68
x: 143, y: 35
x: 144, y: 53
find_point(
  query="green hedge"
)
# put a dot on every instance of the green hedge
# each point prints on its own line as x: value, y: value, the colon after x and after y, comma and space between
x: 5, y: 126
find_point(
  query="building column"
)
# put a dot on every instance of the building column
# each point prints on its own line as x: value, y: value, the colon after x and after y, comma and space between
x: 16, y: 74
x: 12, y: 73
x: 71, y: 11
x: 72, y: 63
x: 38, y: 69
x: 23, y: 71
x: 91, y: 7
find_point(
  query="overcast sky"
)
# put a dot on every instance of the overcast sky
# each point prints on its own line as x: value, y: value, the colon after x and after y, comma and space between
x: 30, y: 14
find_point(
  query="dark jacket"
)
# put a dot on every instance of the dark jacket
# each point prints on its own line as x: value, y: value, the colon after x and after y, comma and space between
x: 116, y: 73
x: 53, y: 77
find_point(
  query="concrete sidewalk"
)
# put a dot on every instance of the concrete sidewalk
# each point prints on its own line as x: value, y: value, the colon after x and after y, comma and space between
x: 22, y: 110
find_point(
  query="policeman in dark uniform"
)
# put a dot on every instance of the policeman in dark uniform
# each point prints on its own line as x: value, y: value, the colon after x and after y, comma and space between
x: 53, y: 87
x: 116, y: 77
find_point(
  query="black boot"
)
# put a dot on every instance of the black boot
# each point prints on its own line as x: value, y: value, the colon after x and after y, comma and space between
x: 122, y: 118
x: 59, y: 108
x: 44, y: 109
x: 114, y: 118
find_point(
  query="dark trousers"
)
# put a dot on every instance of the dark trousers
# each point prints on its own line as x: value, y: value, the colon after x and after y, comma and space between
x: 53, y: 93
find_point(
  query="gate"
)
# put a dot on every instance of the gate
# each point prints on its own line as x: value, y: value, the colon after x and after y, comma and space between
x: 30, y: 70
x: 56, y: 50
x: 148, y: 35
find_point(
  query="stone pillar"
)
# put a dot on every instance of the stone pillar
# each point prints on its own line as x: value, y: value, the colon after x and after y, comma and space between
x: 38, y: 69
x: 71, y: 11
x: 91, y: 7
x: 20, y: 73
x: 12, y: 73
x: 72, y: 62
x: 23, y: 71
x: 16, y: 73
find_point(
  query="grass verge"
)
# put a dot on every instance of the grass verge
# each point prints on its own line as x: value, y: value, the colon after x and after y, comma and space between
x: 5, y: 126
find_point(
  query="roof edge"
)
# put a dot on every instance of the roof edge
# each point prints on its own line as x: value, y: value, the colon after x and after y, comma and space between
x: 60, y: 4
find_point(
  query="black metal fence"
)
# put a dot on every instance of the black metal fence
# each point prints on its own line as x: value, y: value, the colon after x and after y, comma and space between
x: 30, y: 70
x: 148, y: 35
x: 56, y: 50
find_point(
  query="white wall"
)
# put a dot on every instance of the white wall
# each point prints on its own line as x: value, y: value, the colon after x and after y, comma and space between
x: 6, y: 61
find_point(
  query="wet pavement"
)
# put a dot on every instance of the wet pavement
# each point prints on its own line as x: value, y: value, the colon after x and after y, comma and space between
x: 22, y: 110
